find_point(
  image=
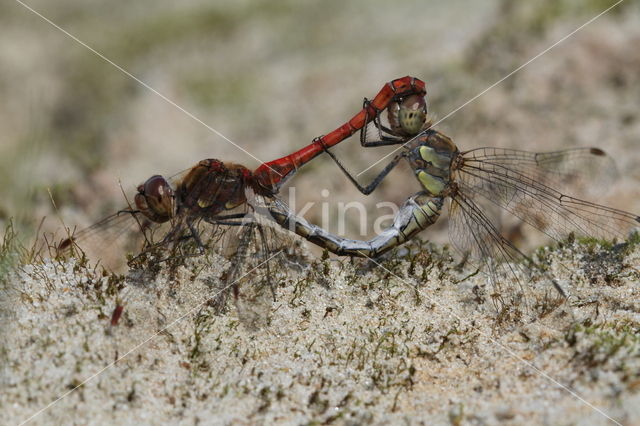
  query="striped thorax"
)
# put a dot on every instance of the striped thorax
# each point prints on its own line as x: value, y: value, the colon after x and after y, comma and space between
x: 431, y: 155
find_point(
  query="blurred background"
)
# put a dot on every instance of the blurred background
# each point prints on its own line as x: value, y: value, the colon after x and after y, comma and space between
x: 272, y: 75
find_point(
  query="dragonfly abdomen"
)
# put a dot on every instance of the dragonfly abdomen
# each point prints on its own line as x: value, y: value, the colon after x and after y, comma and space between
x: 417, y: 213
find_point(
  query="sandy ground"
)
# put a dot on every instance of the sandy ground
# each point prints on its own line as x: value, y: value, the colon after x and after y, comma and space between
x: 416, y: 340
x: 344, y: 343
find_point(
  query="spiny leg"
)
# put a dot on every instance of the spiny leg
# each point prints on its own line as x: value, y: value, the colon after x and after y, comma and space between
x: 383, y: 131
x: 229, y: 219
x: 195, y: 234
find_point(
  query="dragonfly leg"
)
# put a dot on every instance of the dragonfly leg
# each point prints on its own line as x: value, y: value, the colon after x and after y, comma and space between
x: 231, y: 216
x: 417, y: 213
x: 228, y: 223
x: 368, y: 189
x: 383, y: 132
x: 196, y: 236
x: 229, y: 219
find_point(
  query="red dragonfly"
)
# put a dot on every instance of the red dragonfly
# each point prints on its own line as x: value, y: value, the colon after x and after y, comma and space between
x: 530, y: 186
x: 403, y: 98
x: 170, y: 212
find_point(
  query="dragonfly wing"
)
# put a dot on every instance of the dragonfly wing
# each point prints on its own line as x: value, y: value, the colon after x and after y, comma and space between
x: 584, y: 172
x: 263, y: 258
x: 516, y: 280
x: 250, y: 281
x: 111, y: 238
x: 522, y: 185
x: 510, y: 271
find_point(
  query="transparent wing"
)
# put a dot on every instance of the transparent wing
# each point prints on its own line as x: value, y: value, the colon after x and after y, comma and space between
x: 524, y: 184
x: 250, y: 279
x: 476, y: 236
x: 264, y: 256
x: 109, y: 240
x: 110, y: 228
x: 581, y: 171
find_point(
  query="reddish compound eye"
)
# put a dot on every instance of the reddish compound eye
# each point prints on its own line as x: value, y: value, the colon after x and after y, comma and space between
x: 408, y: 117
x: 155, y: 199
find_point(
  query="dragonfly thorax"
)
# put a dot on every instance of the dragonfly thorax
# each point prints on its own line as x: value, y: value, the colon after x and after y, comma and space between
x: 213, y: 186
x: 431, y: 157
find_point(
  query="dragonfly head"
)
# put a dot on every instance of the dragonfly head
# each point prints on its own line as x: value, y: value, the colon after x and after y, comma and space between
x: 155, y: 199
x: 408, y: 116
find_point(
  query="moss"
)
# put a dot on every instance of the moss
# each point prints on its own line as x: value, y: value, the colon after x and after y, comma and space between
x: 597, y: 344
x: 631, y: 243
x: 592, y: 243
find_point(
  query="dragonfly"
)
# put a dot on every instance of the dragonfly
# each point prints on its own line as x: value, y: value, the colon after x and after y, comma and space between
x: 476, y: 185
x: 199, y: 207
x: 210, y: 205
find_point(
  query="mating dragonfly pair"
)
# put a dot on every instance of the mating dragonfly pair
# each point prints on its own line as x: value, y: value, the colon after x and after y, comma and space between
x: 215, y: 196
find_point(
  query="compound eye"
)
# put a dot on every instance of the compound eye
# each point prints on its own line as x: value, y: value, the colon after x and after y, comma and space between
x: 157, y: 186
x: 155, y: 199
x: 412, y: 114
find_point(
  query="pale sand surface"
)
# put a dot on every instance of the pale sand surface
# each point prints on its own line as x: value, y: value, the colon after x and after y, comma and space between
x: 344, y: 343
